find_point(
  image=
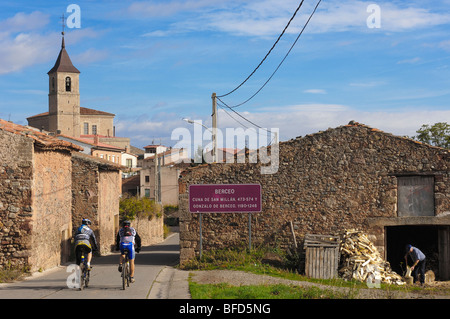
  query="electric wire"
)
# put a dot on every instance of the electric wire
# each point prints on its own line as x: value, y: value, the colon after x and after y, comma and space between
x: 273, y: 46
x: 279, y: 65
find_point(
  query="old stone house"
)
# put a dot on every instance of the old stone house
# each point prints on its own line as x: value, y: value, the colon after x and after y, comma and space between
x: 35, y: 197
x: 47, y: 186
x: 96, y: 187
x: 354, y: 176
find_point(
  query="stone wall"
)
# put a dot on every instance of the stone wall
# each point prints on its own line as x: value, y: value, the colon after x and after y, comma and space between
x: 108, y: 209
x: 16, y: 179
x: 52, y: 199
x: 151, y: 230
x: 326, y: 182
x: 96, y: 191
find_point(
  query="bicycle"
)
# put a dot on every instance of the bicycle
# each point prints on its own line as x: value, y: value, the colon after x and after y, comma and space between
x: 85, y: 272
x: 126, y: 271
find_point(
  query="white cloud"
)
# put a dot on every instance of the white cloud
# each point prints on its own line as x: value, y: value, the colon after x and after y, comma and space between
x: 315, y: 91
x: 170, y: 8
x: 369, y: 84
x: 410, y: 61
x: 21, y: 22
x: 299, y: 120
x: 269, y: 17
x: 23, y: 42
x: 445, y: 45
x: 89, y: 56
x: 292, y: 121
x: 24, y: 50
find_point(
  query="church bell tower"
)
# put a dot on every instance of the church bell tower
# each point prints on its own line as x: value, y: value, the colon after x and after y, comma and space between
x: 64, y: 96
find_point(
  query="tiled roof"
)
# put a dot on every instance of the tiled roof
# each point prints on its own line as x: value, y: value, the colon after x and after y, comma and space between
x: 86, y: 111
x: 83, y: 111
x: 41, y: 139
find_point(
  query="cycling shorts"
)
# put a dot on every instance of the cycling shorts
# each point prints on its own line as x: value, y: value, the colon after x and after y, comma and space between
x: 127, y: 246
x: 81, y: 247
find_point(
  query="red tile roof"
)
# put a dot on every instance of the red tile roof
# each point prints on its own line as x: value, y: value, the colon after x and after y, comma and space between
x: 83, y: 111
x: 41, y: 139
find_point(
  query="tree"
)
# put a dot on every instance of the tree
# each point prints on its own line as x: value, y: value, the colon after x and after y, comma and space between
x: 131, y: 207
x: 437, y: 134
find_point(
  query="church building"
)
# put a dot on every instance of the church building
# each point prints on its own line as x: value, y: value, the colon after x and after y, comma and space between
x: 65, y: 115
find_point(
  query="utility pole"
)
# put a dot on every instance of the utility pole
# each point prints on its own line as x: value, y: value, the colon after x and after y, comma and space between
x: 214, y: 126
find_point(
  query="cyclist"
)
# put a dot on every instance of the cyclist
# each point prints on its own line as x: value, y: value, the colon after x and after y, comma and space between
x: 85, y: 241
x: 127, y: 238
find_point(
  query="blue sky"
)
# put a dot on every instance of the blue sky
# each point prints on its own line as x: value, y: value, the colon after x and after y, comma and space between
x: 153, y: 63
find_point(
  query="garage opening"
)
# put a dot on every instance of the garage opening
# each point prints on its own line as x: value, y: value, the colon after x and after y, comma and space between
x: 426, y: 238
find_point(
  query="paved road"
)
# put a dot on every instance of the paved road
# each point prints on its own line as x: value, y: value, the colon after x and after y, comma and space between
x: 154, y: 277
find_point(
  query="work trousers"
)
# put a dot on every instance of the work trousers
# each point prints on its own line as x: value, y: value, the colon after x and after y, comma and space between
x: 420, y: 269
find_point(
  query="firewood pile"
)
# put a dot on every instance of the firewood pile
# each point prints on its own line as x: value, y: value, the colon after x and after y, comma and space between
x: 360, y: 260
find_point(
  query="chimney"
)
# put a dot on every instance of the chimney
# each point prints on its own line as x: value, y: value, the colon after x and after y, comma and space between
x: 96, y: 139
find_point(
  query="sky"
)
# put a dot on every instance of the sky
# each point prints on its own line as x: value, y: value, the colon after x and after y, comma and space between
x: 385, y: 64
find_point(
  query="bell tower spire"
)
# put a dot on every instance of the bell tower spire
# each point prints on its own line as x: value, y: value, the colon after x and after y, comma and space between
x: 64, y: 95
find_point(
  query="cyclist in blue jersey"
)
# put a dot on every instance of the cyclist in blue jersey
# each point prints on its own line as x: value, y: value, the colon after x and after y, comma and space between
x: 85, y: 241
x: 127, y: 238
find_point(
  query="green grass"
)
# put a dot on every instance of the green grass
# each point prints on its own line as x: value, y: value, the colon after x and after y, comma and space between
x: 226, y: 291
x: 252, y: 261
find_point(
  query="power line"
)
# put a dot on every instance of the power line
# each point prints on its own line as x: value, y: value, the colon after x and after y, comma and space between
x: 224, y: 104
x: 223, y: 108
x: 279, y: 65
x: 273, y: 46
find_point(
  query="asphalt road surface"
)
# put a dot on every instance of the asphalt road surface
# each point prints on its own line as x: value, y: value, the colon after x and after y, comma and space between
x: 105, y: 282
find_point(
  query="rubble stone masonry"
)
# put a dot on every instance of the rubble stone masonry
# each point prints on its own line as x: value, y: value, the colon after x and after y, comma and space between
x: 333, y: 180
x: 16, y: 178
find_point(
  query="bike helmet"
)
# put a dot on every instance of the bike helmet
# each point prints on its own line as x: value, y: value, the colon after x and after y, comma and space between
x: 126, y: 223
x: 86, y: 221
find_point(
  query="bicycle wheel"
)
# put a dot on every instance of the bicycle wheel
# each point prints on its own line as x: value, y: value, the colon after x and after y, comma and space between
x: 128, y: 273
x: 86, y: 278
x: 82, y: 272
x: 124, y: 273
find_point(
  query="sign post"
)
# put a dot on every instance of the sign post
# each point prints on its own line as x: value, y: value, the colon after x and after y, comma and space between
x: 249, y: 231
x: 225, y: 198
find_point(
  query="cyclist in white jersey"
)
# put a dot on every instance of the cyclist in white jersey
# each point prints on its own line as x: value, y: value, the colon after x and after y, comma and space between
x: 127, y: 238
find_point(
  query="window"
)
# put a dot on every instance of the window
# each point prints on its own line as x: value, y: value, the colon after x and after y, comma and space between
x: 147, y: 179
x: 415, y: 196
x: 86, y: 128
x: 94, y: 129
x: 53, y: 83
x: 68, y: 84
x: 129, y: 163
x: 147, y: 193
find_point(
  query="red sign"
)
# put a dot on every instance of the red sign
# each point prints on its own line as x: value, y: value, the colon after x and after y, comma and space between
x: 225, y: 198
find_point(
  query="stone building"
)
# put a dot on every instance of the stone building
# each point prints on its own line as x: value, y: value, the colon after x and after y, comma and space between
x: 35, y: 197
x: 96, y: 187
x: 159, y: 173
x: 354, y: 176
x: 47, y: 186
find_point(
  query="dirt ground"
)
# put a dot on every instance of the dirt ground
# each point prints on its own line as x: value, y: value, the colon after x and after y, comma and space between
x: 434, y: 290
